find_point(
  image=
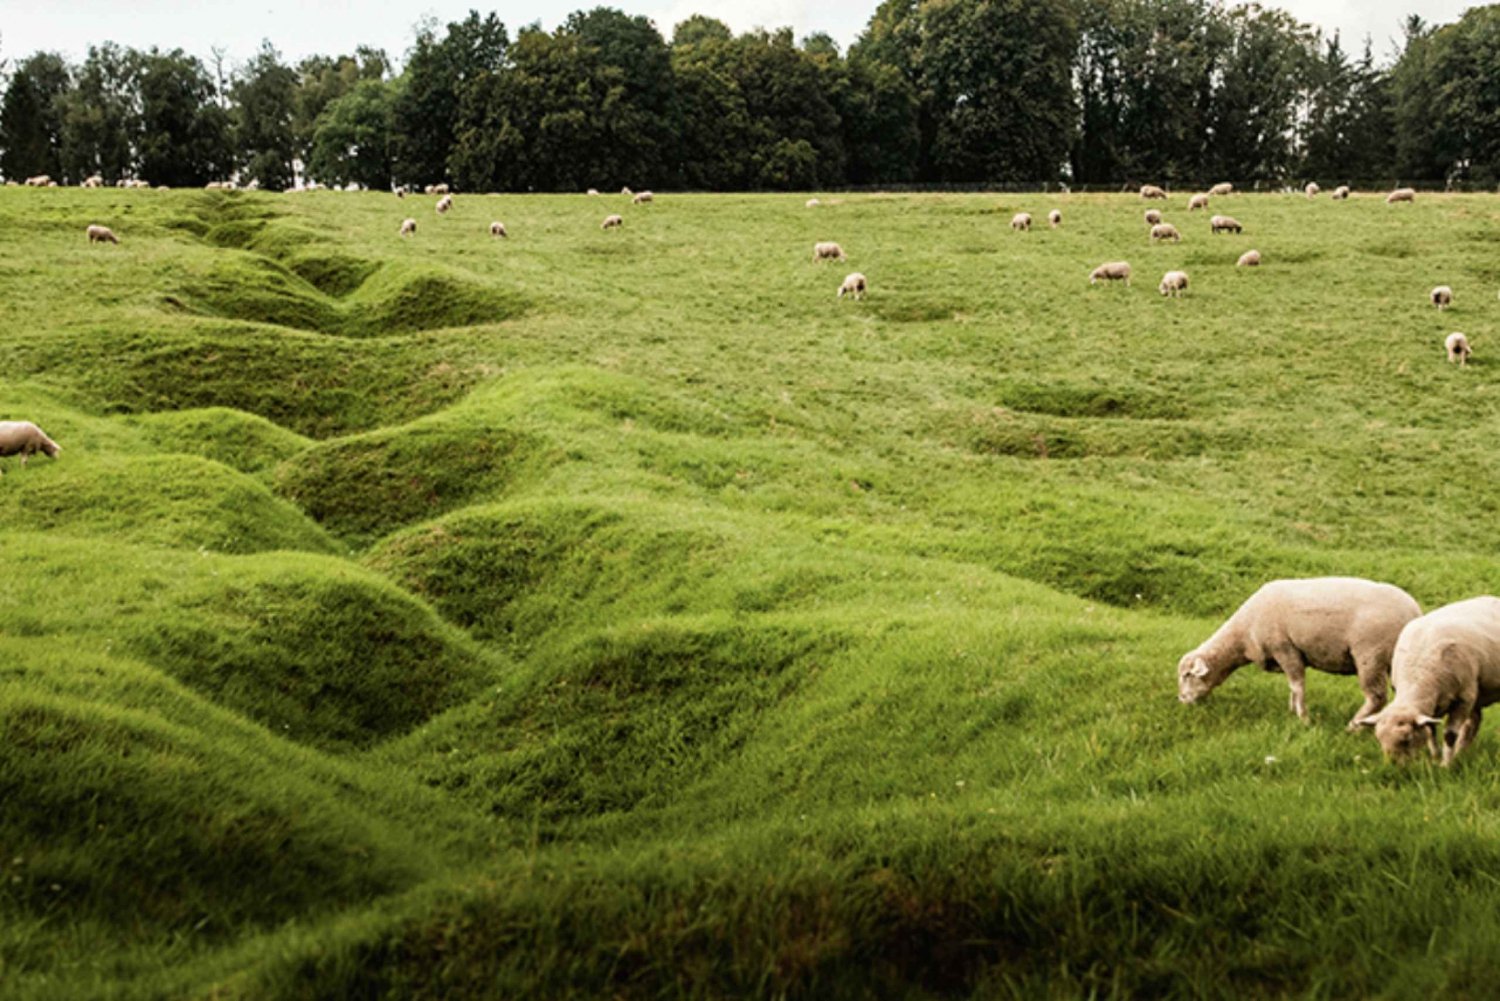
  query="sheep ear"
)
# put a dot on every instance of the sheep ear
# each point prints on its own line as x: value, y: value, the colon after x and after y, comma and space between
x: 1428, y: 721
x: 1369, y: 720
x: 1199, y: 669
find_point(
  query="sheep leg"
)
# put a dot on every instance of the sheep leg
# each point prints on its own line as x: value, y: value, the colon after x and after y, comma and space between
x: 1463, y: 724
x: 1373, y: 683
x: 1290, y: 662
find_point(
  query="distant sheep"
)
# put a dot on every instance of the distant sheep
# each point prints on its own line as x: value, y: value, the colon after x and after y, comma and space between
x: 440, y: 189
x: 1225, y: 224
x: 1401, y: 195
x: 1197, y: 202
x: 1054, y: 218
x: 39, y: 181
x: 409, y: 227
x: 626, y: 191
x: 1110, y: 271
x: 643, y: 198
x: 612, y: 222
x: 1343, y: 625
x: 25, y: 439
x: 1442, y: 297
x: 1446, y: 663
x: 213, y: 186
x: 1312, y: 189
x: 1153, y: 217
x: 1165, y: 231
x: 498, y: 229
x: 1021, y: 221
x: 444, y: 204
x: 1458, y: 348
x: 1173, y: 283
x: 592, y: 191
x: 1249, y: 259
x: 855, y: 285
x: 101, y: 234
x: 95, y: 181
x: 1221, y: 189
x: 1340, y: 193
x: 1152, y: 191
x: 828, y: 251
x: 812, y: 203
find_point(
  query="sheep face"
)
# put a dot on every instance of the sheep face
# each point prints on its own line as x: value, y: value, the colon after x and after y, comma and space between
x: 1194, y: 678
x: 1403, y: 733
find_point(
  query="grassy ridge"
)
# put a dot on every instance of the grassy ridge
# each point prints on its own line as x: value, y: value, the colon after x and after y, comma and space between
x: 616, y: 613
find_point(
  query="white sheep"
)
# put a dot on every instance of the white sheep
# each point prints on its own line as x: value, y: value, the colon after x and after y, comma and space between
x: 1111, y: 271
x: 1197, y: 202
x: 1249, y: 259
x: 1021, y: 221
x: 1340, y: 193
x: 1342, y: 625
x: 612, y: 222
x: 39, y: 181
x: 626, y: 191
x: 642, y: 198
x: 1312, y: 189
x: 25, y: 439
x: 592, y: 191
x: 498, y: 229
x: 1054, y: 218
x: 1152, y: 191
x: 409, y: 227
x: 214, y: 186
x: 440, y: 189
x: 1458, y: 349
x: 1173, y: 283
x: 828, y: 251
x: 1446, y: 663
x: 1225, y: 224
x: 1165, y: 231
x: 855, y: 285
x: 1222, y: 188
x: 444, y: 204
x: 101, y: 234
x: 1441, y: 296
x: 1401, y: 195
x: 812, y: 203
x: 1153, y: 217
x: 95, y: 181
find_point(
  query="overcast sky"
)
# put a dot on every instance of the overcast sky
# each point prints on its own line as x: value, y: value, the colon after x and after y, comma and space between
x: 336, y: 26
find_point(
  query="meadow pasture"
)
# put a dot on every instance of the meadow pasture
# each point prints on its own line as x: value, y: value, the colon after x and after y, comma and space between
x: 619, y: 614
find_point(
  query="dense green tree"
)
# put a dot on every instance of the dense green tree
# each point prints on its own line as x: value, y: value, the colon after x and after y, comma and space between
x: 264, y: 96
x: 31, y: 117
x: 1263, y: 64
x: 353, y: 138
x: 185, y: 136
x: 101, y: 116
x: 321, y: 80
x: 1414, y: 93
x: 439, y: 74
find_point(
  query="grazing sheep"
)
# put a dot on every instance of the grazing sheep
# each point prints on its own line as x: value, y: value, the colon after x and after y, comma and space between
x: 1401, y: 195
x: 855, y: 285
x: 626, y: 191
x: 95, y: 181
x: 1165, y: 231
x: 642, y: 198
x: 1110, y: 271
x: 402, y: 191
x: 1342, y: 625
x: 444, y: 204
x: 813, y: 203
x: 1442, y: 297
x: 1225, y: 224
x: 1152, y: 217
x: 440, y: 189
x: 1446, y: 663
x: 612, y: 222
x: 592, y: 191
x: 498, y: 229
x: 101, y: 234
x: 1054, y: 218
x: 1173, y: 283
x: 409, y: 227
x: 1249, y: 259
x: 39, y: 181
x: 1152, y: 191
x: 1458, y: 348
x: 1340, y: 193
x: 828, y: 252
x: 1197, y: 202
x: 1221, y: 189
x: 1312, y: 189
x: 214, y: 186
x: 25, y: 439
x: 1021, y: 221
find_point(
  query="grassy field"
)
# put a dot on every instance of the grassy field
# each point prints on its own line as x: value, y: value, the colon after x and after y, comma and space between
x: 619, y: 614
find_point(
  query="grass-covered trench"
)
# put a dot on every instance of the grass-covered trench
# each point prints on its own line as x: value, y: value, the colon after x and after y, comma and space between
x: 620, y: 614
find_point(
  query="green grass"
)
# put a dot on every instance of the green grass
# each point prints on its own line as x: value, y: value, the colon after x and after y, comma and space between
x: 618, y: 614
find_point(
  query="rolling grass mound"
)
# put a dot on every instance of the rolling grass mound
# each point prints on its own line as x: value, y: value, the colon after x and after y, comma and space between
x: 239, y: 440
x: 314, y: 650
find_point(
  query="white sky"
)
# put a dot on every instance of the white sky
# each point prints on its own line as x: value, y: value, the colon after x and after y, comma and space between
x: 337, y: 26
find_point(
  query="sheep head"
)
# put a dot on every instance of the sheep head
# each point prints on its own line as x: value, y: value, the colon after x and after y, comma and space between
x: 1194, y: 678
x: 1402, y: 732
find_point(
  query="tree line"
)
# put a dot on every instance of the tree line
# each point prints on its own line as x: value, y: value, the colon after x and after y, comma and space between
x: 1084, y: 92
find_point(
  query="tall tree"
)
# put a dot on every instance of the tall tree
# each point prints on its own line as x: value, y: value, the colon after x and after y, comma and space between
x: 1265, y: 60
x: 185, y: 135
x: 101, y: 116
x: 352, y: 139
x: 321, y: 80
x: 264, y: 96
x: 31, y: 117
x: 439, y: 74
